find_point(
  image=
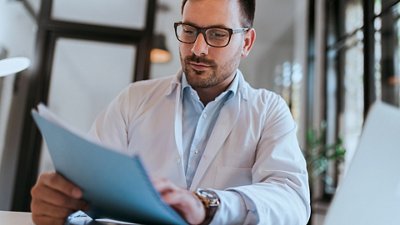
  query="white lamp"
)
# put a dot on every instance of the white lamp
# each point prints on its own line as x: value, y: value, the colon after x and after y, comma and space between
x: 13, y: 65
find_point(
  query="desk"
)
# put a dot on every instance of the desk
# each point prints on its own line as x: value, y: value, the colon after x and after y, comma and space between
x: 15, y: 218
x: 23, y: 218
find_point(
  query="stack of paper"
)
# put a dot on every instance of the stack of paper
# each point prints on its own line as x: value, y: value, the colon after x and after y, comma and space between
x: 115, y: 185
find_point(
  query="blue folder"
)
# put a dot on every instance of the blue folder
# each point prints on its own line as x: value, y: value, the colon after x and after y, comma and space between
x: 115, y: 185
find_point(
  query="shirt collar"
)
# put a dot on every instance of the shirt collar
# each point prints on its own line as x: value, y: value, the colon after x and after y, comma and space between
x: 185, y: 83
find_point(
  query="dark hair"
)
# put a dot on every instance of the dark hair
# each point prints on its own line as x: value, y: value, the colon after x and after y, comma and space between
x: 247, y: 7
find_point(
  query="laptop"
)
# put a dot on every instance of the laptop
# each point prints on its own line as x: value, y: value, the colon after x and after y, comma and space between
x: 369, y: 193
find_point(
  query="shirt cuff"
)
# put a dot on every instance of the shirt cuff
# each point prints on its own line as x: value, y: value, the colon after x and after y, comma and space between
x: 232, y: 209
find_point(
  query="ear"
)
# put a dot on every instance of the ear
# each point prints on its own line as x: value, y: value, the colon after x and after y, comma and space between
x: 249, y: 39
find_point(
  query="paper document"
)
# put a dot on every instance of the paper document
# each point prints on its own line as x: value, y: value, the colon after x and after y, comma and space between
x: 115, y: 185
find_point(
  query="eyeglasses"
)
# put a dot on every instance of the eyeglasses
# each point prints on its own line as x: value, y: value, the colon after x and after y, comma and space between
x: 218, y: 37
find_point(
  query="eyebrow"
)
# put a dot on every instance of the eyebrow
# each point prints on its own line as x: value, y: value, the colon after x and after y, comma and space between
x: 212, y: 26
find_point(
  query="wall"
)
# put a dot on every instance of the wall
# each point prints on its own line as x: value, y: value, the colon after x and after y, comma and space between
x: 17, y: 35
x: 280, y: 39
x: 165, y: 25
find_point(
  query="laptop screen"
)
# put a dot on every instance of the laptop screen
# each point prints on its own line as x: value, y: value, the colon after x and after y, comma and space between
x: 369, y: 192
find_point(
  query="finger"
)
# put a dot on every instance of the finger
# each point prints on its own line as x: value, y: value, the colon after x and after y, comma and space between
x: 163, y: 185
x: 174, y: 195
x: 40, y: 208
x: 56, y: 198
x: 44, y: 220
x: 173, y: 198
x: 58, y: 182
x: 183, y: 199
x: 187, y: 205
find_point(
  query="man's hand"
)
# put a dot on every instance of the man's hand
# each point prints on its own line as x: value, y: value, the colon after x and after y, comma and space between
x: 53, y: 199
x: 182, y: 200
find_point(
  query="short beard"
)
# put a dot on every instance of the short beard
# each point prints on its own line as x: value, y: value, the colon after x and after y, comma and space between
x: 216, y: 76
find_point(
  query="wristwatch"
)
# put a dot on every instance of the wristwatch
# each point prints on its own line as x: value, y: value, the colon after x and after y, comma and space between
x: 210, y: 201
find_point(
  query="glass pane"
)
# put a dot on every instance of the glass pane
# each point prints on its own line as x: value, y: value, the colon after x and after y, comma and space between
x: 332, y: 25
x: 331, y: 96
x: 378, y: 58
x: 119, y: 13
x: 352, y: 117
x: 35, y: 5
x: 353, y: 16
x: 395, y: 80
x: 332, y: 101
x: 377, y: 7
x: 389, y: 71
x: 86, y: 76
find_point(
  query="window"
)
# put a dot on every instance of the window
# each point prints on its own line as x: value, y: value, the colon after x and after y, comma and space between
x: 69, y: 38
x: 344, y: 82
x: 387, y: 60
x: 360, y: 51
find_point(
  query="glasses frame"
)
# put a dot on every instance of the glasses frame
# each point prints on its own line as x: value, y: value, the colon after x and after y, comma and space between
x: 203, y: 30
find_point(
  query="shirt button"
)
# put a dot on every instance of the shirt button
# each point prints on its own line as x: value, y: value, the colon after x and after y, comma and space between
x: 196, y: 152
x: 205, y: 115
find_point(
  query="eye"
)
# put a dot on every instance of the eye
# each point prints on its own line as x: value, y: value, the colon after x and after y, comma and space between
x: 187, y: 30
x: 218, y: 34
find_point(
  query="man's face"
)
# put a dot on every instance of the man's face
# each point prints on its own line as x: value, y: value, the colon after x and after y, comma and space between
x: 206, y: 66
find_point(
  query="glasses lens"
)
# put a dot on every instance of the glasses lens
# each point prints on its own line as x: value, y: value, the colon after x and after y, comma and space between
x: 217, y: 37
x: 186, y: 33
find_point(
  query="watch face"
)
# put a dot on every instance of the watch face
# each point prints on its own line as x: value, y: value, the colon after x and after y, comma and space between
x: 210, y: 201
x: 211, y: 196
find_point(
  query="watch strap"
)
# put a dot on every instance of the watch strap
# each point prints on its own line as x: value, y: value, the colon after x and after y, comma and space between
x: 210, y: 202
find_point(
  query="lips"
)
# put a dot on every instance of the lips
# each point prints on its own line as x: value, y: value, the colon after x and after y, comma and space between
x: 199, y: 66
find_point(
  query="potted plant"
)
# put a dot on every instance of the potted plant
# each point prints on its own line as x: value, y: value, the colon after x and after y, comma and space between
x: 319, y: 154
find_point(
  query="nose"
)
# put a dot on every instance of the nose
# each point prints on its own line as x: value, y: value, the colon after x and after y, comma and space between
x: 200, y: 46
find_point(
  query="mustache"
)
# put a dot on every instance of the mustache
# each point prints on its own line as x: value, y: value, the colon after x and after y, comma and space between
x: 197, y: 59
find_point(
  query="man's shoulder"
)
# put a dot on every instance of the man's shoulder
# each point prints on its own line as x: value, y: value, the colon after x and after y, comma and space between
x: 157, y: 81
x: 260, y: 94
x: 250, y: 92
x: 158, y: 85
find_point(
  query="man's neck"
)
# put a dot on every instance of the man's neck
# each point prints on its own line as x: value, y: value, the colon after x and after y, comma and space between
x: 207, y: 95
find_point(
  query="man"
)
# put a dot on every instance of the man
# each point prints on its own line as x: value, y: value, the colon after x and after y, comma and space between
x: 203, y: 128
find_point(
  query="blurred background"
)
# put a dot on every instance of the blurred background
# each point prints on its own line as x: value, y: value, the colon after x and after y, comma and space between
x: 329, y: 59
